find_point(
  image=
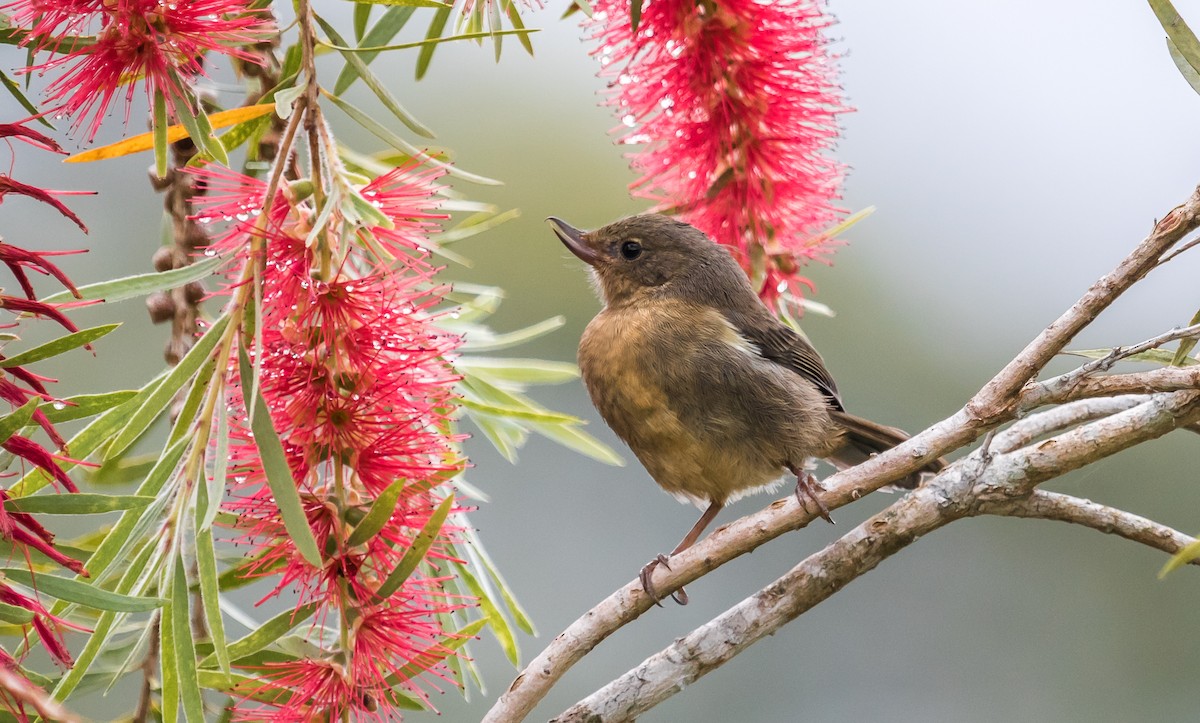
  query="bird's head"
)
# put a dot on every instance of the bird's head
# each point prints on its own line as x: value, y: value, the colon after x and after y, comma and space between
x: 653, y: 254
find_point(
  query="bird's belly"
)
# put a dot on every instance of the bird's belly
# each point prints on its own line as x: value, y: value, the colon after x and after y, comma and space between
x: 691, y: 459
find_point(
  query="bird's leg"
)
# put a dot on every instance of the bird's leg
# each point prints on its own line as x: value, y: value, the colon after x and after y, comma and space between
x: 806, y: 489
x: 680, y: 596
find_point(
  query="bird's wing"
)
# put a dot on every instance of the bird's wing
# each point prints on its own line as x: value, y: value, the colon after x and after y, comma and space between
x: 780, y: 344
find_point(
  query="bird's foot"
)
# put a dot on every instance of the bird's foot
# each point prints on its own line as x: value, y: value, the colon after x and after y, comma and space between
x: 807, y: 487
x: 680, y: 596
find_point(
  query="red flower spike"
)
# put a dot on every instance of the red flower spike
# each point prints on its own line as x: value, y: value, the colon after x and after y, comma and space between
x: 354, y: 375
x: 159, y: 43
x: 30, y: 136
x: 37, y: 455
x: 15, y: 258
x: 8, y: 185
x: 735, y: 105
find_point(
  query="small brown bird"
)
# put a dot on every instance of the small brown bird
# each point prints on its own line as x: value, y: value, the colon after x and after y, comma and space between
x: 714, y: 395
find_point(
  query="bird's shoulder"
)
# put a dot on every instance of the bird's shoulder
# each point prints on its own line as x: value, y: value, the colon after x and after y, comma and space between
x: 779, y: 343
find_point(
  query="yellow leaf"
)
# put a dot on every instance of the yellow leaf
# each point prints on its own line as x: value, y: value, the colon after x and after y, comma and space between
x: 145, y: 141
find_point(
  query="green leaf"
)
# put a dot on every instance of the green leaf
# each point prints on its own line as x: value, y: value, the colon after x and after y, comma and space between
x: 14, y: 89
x: 12, y: 422
x: 435, y: 653
x: 523, y: 33
x: 384, y: 134
x: 514, y: 16
x: 84, y: 405
x: 1180, y: 35
x: 488, y: 341
x: 239, y: 575
x: 58, y: 346
x: 15, y: 615
x: 378, y: 515
x: 279, y: 475
x: 416, y: 551
x: 518, y: 371
x: 436, y: 26
x: 499, y: 624
x: 580, y: 441
x: 1186, y: 345
x: 168, y: 667
x: 505, y: 435
x: 206, y: 570
x: 211, y: 500
x: 1188, y: 554
x: 191, y: 404
x: 81, y: 592
x: 389, y: 24
x: 479, y: 558
x: 158, y: 126
x: 195, y: 122
x: 409, y: 3
x: 156, y: 401
x: 476, y: 225
x: 362, y: 18
x: 185, y: 650
x: 118, y: 541
x: 131, y: 287
x: 524, y: 413
x: 265, y: 634
x: 78, y: 503
x: 1185, y: 68
x: 1153, y: 356
x: 635, y: 14
x: 375, y: 84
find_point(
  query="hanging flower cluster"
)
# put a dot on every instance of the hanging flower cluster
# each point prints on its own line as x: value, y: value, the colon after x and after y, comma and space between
x: 20, y: 386
x: 735, y: 104
x: 354, y: 375
x: 160, y: 43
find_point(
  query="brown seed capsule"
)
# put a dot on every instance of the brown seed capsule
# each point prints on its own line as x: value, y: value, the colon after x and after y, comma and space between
x: 194, y: 292
x: 161, y: 307
x: 164, y: 258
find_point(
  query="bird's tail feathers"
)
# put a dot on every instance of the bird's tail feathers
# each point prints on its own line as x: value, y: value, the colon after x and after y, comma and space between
x: 864, y: 439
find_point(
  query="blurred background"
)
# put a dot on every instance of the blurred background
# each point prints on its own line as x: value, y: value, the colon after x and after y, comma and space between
x: 1014, y: 151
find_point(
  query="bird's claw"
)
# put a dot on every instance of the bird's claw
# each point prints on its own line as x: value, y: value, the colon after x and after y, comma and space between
x: 806, y: 489
x: 680, y: 596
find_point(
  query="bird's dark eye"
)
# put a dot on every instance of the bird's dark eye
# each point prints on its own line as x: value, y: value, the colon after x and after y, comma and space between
x: 631, y: 250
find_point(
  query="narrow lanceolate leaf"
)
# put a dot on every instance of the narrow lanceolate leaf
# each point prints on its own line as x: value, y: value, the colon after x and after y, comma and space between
x: 81, y: 592
x: 374, y: 83
x: 195, y: 122
x: 265, y: 634
x: 580, y: 441
x: 81, y: 503
x: 15, y: 615
x: 1186, y: 345
x: 523, y: 413
x: 12, y: 422
x: 211, y: 500
x: 156, y: 401
x: 145, y: 141
x: 416, y: 551
x: 435, y: 653
x: 168, y: 667
x: 436, y: 26
x: 159, y: 130
x: 1153, y: 356
x: 383, y: 133
x: 378, y: 516
x: 185, y: 648
x: 131, y: 287
x: 206, y: 570
x: 1180, y: 34
x: 84, y: 405
x: 58, y: 346
x: 518, y: 371
x: 381, y: 32
x: 15, y: 90
x: 118, y: 540
x: 1188, y: 554
x: 491, y: 612
x: 493, y: 342
x: 279, y: 475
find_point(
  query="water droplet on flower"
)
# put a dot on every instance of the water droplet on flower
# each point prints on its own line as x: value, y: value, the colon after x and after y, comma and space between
x: 625, y: 79
x: 666, y: 103
x: 629, y: 120
x: 58, y: 405
x: 455, y: 314
x: 605, y: 60
x: 691, y: 174
x: 782, y: 287
x: 210, y: 252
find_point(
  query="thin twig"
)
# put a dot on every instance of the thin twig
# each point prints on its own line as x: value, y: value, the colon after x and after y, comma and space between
x: 952, y: 495
x: 993, y: 405
x: 1027, y: 429
x: 1046, y: 505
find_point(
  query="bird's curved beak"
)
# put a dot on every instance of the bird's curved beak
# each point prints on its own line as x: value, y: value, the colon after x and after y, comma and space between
x: 573, y: 239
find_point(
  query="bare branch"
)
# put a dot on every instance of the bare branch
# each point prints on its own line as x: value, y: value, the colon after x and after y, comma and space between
x: 965, y: 489
x: 1000, y: 392
x: 1038, y: 425
x: 1109, y: 520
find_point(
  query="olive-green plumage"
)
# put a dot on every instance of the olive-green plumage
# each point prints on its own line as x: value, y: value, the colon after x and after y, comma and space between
x: 713, y: 394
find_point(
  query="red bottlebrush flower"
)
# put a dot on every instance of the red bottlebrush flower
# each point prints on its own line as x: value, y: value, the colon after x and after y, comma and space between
x: 353, y: 373
x: 735, y: 104
x: 9, y: 185
x: 17, y: 259
x: 30, y: 136
x: 160, y: 43
x: 49, y: 22
x: 48, y: 626
x: 37, y: 455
